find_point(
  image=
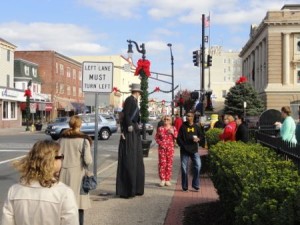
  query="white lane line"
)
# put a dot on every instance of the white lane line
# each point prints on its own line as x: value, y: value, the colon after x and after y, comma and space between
x: 14, y: 150
x: 9, y: 160
x: 106, y: 168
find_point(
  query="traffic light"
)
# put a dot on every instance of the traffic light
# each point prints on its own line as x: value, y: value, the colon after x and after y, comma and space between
x: 209, y: 60
x: 196, y: 58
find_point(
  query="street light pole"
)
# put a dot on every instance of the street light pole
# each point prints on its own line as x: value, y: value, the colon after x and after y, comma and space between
x: 144, y: 86
x: 172, y: 74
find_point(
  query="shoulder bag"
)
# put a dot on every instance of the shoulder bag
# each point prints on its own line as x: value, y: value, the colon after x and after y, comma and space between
x: 89, y: 180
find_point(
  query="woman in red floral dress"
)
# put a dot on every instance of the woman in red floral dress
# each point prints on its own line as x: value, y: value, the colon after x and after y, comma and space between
x: 165, y: 138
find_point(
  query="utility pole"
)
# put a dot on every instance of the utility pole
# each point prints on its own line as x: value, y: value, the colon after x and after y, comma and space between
x: 202, y: 91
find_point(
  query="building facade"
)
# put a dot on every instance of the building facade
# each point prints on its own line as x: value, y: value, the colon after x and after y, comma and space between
x: 61, y: 80
x: 10, y: 97
x: 271, y: 58
x: 221, y: 76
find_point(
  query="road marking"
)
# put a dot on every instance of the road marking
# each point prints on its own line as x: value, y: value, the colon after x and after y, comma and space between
x: 13, y: 150
x: 106, y: 168
x: 9, y: 160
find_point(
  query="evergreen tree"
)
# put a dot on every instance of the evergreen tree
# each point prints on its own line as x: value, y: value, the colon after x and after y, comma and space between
x: 240, y: 93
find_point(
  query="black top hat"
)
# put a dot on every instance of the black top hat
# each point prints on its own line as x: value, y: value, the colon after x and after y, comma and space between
x: 135, y: 87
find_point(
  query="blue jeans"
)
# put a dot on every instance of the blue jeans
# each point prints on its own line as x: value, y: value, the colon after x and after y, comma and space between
x: 195, y: 157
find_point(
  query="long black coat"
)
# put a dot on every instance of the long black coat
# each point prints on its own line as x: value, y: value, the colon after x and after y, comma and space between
x: 242, y: 133
x: 131, y: 171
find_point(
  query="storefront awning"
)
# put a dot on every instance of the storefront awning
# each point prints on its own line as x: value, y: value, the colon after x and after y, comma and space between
x: 79, y: 107
x: 65, y: 105
x: 40, y: 106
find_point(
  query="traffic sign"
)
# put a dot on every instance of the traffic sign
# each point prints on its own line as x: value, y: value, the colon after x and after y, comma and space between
x: 97, y: 77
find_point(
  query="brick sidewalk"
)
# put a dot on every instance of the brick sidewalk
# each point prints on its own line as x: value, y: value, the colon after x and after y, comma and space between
x: 180, y: 200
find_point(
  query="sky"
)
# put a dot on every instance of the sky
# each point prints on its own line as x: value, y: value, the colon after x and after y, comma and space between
x: 102, y: 27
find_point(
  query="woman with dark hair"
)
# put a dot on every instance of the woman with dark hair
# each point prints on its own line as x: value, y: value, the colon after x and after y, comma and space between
x: 288, y: 127
x: 242, y: 133
x: 72, y: 142
x: 40, y: 198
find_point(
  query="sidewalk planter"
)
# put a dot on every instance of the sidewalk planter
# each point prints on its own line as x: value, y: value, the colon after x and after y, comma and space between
x: 38, y: 126
x: 146, y: 146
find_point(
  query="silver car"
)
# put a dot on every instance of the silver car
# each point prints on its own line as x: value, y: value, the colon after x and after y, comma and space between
x: 105, y: 128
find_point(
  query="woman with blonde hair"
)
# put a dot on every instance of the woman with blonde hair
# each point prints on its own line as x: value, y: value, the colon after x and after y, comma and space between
x: 73, y: 142
x: 40, y: 198
x: 165, y: 138
x: 229, y: 129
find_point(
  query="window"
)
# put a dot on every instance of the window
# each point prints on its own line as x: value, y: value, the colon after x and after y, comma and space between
x: 26, y: 70
x: 297, y: 44
x: 9, y: 110
x: 61, y: 69
x: 68, y: 72
x: 61, y: 89
x: 8, y: 55
x: 224, y: 60
x: 79, y: 92
x: 34, y: 72
x: 74, y: 74
x: 57, y: 88
x: 56, y: 67
x: 298, y: 73
x: 74, y: 91
x: 223, y: 93
x: 79, y: 75
x: 68, y: 90
x: 7, y: 80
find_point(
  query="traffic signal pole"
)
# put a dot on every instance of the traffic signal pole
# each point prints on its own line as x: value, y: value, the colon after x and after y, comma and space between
x: 202, y: 91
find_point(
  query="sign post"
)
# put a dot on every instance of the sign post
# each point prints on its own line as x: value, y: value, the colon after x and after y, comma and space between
x: 97, y: 77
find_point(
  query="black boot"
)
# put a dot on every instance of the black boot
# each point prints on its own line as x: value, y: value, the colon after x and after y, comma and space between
x: 81, y: 216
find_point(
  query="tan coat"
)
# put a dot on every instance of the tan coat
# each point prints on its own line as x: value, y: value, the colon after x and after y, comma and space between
x: 35, y: 205
x: 72, y: 170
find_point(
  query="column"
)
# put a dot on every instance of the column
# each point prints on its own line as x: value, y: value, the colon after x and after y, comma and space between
x: 286, y: 59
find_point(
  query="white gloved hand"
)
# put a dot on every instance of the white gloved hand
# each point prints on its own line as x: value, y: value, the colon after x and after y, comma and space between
x: 130, y: 128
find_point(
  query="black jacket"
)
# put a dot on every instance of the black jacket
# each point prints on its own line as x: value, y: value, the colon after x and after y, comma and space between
x: 185, y: 137
x: 130, y: 110
x: 242, y: 133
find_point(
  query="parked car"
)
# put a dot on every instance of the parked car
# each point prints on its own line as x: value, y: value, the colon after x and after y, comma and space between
x: 109, y: 117
x: 152, y: 117
x: 149, y: 128
x: 105, y: 128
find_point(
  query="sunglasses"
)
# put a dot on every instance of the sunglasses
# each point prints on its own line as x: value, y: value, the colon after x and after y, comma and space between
x: 166, y: 119
x: 59, y: 157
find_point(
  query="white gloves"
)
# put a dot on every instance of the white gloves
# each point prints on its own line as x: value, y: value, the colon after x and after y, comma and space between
x: 130, y: 128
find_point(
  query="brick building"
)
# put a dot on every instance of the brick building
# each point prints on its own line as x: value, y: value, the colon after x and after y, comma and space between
x: 61, y: 79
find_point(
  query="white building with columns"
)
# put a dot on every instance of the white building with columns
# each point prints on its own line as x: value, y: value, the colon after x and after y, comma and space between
x: 271, y: 58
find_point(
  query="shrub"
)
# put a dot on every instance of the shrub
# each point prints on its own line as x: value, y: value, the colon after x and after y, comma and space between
x: 212, y: 136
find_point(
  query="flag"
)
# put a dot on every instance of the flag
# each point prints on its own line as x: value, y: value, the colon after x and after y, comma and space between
x: 207, y: 21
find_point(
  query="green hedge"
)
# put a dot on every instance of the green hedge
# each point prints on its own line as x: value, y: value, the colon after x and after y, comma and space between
x: 255, y: 185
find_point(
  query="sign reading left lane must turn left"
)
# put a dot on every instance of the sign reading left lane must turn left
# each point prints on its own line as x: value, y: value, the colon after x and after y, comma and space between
x: 97, y: 77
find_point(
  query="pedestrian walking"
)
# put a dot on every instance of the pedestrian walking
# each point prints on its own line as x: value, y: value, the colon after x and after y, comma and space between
x: 165, y: 138
x: 130, y: 179
x: 39, y: 197
x: 177, y: 122
x: 72, y: 143
x: 188, y: 140
x: 288, y: 127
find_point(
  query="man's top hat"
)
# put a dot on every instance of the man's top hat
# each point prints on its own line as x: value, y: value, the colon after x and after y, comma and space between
x: 135, y: 87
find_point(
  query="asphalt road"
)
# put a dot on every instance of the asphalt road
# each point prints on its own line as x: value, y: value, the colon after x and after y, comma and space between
x: 14, y: 146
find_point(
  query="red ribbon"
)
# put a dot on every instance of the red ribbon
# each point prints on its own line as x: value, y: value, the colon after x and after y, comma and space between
x: 242, y: 79
x: 143, y: 65
x: 27, y: 93
x: 157, y: 89
x: 115, y: 89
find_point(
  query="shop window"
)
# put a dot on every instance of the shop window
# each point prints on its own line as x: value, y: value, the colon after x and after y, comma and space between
x: 8, y: 55
x: 9, y: 110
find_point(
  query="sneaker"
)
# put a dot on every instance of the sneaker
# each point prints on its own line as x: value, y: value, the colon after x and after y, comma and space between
x: 185, y: 190
x: 162, y: 183
x: 168, y: 183
x: 195, y: 188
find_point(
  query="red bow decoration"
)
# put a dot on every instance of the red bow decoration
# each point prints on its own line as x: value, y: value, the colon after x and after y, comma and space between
x: 115, y: 89
x: 157, y: 89
x: 242, y: 79
x: 143, y: 65
x: 27, y: 93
